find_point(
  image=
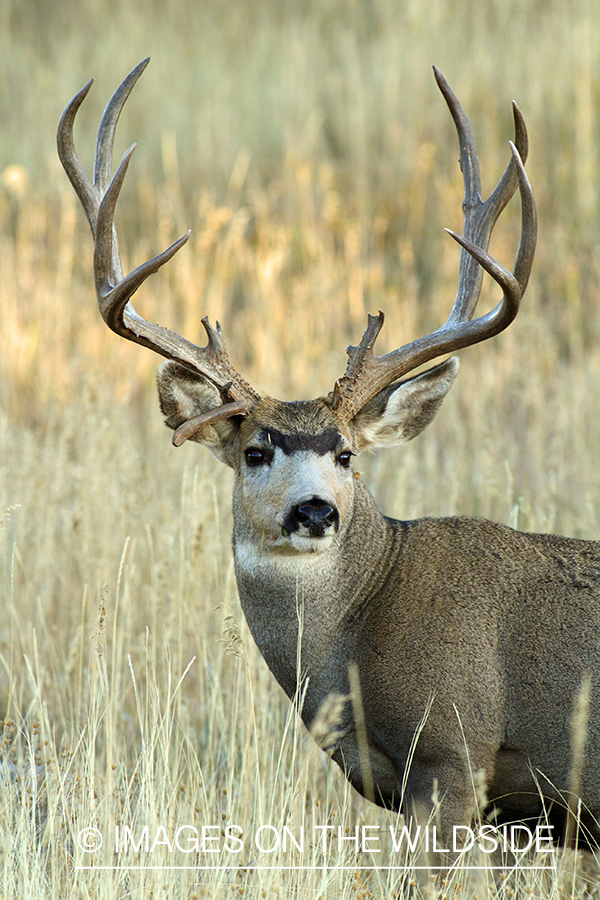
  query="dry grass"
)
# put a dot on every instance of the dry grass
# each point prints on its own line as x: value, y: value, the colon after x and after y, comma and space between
x: 306, y: 146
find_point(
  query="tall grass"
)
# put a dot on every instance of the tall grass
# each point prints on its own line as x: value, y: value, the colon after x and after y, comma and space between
x: 306, y: 145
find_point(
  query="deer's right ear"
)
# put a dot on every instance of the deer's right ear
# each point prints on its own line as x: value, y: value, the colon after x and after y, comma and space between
x: 183, y: 394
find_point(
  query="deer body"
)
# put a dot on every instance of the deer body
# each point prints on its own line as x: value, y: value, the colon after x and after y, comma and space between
x: 462, y: 643
x: 490, y: 645
x: 490, y: 629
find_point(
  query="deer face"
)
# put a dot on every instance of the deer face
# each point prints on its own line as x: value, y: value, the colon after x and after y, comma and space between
x: 294, y: 484
x: 294, y: 481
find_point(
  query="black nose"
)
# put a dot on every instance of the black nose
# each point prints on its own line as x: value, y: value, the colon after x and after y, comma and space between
x: 315, y: 515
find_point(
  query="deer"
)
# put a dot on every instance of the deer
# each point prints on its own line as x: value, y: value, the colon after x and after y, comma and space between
x: 462, y: 644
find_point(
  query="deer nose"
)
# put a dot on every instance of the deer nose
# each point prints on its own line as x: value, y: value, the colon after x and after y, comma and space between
x: 315, y: 515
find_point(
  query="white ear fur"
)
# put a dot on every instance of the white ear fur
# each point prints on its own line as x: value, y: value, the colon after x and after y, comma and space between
x: 398, y: 414
x: 182, y: 395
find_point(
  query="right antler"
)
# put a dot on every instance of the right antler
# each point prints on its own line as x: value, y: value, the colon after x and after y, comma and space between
x: 366, y: 375
x: 113, y: 289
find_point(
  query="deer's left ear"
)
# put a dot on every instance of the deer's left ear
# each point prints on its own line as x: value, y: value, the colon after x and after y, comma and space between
x: 400, y: 412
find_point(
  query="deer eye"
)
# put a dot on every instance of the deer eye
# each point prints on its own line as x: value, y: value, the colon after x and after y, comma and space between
x: 344, y: 458
x: 256, y: 457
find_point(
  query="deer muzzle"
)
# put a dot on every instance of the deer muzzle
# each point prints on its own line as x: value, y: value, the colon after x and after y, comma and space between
x: 315, y: 516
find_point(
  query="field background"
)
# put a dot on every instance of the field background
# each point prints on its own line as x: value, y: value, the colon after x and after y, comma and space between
x: 308, y: 148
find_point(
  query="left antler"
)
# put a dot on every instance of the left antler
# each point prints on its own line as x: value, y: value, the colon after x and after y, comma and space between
x: 366, y: 375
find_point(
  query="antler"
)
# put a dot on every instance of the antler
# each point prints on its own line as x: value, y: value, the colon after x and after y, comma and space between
x: 113, y: 289
x: 367, y: 374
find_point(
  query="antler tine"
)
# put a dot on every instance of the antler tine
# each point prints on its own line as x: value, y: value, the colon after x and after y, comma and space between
x: 479, y: 217
x: 89, y: 195
x: 112, y: 288
x: 70, y: 160
x: 108, y: 127
x: 526, y: 249
x: 367, y: 374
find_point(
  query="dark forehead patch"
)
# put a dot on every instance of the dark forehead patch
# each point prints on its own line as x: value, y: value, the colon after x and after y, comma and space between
x: 321, y: 443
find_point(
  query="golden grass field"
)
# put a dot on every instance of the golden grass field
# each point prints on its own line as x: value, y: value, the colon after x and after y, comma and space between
x: 306, y: 145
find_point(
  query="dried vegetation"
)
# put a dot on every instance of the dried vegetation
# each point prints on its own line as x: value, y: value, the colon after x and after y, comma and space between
x: 306, y: 145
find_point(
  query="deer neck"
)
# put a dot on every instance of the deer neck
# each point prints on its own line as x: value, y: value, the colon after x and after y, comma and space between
x: 295, y: 603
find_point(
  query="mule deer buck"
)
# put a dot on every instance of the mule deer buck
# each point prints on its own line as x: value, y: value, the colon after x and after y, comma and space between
x: 466, y: 641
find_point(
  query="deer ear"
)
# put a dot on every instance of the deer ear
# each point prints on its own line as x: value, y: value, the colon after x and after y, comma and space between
x: 400, y: 412
x: 184, y: 394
